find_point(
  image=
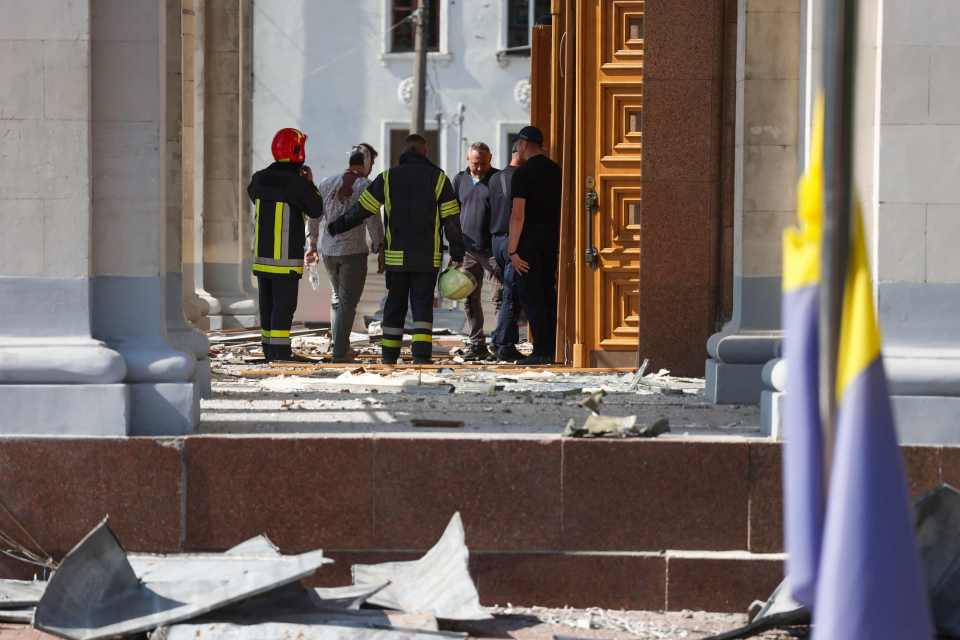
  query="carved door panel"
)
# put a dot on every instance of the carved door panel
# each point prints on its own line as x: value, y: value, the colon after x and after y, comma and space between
x: 609, y: 147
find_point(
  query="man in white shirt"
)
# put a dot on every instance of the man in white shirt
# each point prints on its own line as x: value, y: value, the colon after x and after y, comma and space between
x: 345, y: 255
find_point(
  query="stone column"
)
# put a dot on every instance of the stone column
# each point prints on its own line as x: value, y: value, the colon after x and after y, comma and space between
x: 225, y: 210
x: 767, y: 129
x: 183, y: 336
x: 917, y: 222
x: 55, y: 378
x: 195, y: 308
x: 131, y: 193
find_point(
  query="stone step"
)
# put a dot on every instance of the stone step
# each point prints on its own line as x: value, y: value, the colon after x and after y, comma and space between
x: 676, y: 524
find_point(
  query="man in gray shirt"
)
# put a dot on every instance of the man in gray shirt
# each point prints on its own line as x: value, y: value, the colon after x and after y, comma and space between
x: 345, y: 255
x: 472, y: 187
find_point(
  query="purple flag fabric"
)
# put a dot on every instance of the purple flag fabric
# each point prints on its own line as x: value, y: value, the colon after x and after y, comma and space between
x: 803, y: 476
x: 871, y: 583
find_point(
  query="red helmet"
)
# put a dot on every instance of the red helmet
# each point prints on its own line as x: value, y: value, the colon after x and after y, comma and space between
x: 289, y: 146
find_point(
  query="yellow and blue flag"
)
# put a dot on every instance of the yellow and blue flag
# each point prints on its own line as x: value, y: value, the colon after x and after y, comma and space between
x: 870, y: 580
x: 852, y: 555
x: 803, y: 475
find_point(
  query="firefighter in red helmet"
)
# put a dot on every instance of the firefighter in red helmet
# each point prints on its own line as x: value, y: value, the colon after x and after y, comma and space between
x: 284, y: 196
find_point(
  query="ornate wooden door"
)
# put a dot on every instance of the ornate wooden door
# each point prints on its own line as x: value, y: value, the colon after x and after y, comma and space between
x: 607, y: 202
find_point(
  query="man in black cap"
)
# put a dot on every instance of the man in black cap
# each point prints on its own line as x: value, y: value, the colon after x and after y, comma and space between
x: 535, y: 240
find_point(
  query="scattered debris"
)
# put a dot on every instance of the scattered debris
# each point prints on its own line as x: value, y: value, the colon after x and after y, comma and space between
x: 597, y: 426
x: 437, y: 424
x: 250, y: 591
x: 17, y: 594
x: 778, y: 612
x: 350, y: 597
x: 438, y: 583
x: 639, y: 375
x: 17, y: 615
x: 593, y: 402
x: 309, y: 628
x: 415, y: 382
x: 96, y: 594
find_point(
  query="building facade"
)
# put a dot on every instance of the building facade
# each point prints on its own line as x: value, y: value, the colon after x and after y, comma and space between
x: 129, y: 130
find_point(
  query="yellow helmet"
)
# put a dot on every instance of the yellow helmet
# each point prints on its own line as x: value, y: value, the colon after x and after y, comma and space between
x: 456, y: 284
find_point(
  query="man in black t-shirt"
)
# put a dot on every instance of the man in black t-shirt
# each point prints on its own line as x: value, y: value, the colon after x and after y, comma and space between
x: 535, y: 241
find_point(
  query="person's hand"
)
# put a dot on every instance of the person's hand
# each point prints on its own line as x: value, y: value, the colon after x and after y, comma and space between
x: 519, y: 264
x: 307, y: 172
x: 381, y: 261
x: 311, y: 256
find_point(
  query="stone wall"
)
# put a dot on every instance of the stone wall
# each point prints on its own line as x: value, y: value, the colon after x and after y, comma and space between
x: 548, y: 522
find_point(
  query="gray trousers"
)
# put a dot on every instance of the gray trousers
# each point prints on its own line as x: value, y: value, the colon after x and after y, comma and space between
x: 347, y: 276
x: 478, y: 264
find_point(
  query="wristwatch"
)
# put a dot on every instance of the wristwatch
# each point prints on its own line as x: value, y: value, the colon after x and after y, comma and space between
x: 510, y: 255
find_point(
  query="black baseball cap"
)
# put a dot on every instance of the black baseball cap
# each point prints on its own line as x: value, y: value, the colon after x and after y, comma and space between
x: 531, y: 134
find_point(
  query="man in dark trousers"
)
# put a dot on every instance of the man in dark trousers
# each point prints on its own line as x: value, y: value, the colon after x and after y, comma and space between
x: 472, y: 187
x: 507, y: 334
x: 284, y: 196
x: 418, y: 201
x: 535, y: 240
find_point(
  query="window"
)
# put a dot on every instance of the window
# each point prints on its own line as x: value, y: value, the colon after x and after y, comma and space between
x: 401, y: 38
x: 521, y: 16
x: 511, y: 138
x: 397, y: 136
x: 507, y: 134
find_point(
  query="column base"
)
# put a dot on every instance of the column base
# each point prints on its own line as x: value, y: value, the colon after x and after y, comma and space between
x: 65, y: 410
x: 202, y: 379
x: 919, y: 419
x: 927, y: 419
x: 733, y: 383
x: 737, y: 357
x: 164, y: 409
x: 220, y: 322
x: 771, y: 414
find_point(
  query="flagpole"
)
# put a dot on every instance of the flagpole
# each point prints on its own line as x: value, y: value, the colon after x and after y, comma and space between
x: 839, y: 49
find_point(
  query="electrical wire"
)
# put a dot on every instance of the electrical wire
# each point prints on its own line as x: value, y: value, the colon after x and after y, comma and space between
x: 344, y: 54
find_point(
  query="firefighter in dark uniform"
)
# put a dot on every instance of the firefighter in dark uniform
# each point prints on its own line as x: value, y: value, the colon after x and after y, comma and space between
x: 284, y: 196
x: 418, y: 201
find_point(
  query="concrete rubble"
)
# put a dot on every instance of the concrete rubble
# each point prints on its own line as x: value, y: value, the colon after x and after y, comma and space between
x: 484, y: 398
x: 250, y: 591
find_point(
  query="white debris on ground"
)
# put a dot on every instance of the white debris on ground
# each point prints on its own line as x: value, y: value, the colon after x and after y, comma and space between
x: 640, y: 625
x: 486, y: 399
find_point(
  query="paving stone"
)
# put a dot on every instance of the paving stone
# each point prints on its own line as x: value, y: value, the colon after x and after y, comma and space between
x: 559, y: 580
x: 720, y: 584
x: 60, y: 489
x: 766, y: 498
x: 304, y: 493
x: 922, y: 465
x: 653, y: 495
x: 507, y: 491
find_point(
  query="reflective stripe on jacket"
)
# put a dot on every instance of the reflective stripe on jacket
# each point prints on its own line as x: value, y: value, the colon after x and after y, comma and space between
x: 283, y: 200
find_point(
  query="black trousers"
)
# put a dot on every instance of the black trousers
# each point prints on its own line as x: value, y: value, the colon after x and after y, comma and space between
x: 416, y: 288
x: 538, y: 295
x: 278, y: 302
